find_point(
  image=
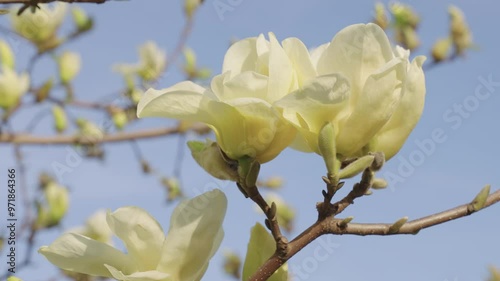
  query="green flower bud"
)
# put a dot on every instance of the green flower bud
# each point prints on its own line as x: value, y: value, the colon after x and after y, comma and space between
x: 459, y: 30
x: 190, y: 7
x: 12, y: 88
x: 81, y: 20
x: 380, y: 17
x: 404, y: 16
x: 55, y: 207
x: 69, y: 65
x: 441, y: 49
x: 60, y: 119
x: 356, y: 167
x: 14, y: 278
x: 173, y: 188
x: 44, y: 91
x: 120, y: 119
x: 209, y: 156
x: 232, y: 264
x: 327, y: 148
x: 7, y: 59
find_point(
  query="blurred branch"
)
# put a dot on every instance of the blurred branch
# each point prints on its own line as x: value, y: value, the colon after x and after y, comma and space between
x: 332, y: 225
x: 34, y: 2
x: 26, y: 139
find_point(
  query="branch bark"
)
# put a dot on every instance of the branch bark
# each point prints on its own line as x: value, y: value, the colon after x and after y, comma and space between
x: 331, y: 225
x: 26, y: 139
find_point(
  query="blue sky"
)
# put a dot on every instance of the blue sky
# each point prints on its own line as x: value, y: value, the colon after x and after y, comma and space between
x: 448, y: 175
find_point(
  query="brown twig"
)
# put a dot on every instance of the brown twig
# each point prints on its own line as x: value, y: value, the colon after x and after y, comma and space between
x: 332, y: 225
x: 26, y: 139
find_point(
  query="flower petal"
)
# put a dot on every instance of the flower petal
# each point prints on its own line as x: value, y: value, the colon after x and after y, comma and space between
x: 241, y: 56
x: 320, y: 101
x: 151, y: 275
x: 392, y: 136
x: 373, y: 108
x: 280, y: 71
x: 245, y: 84
x: 141, y: 233
x: 183, y: 101
x: 194, y: 233
x: 356, y: 52
x: 301, y: 61
x: 81, y: 254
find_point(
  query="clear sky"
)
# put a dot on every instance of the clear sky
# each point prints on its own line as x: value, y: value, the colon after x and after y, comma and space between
x: 448, y: 175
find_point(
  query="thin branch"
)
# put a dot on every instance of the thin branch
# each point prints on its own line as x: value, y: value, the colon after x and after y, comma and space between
x: 50, y: 1
x: 331, y: 225
x: 26, y: 139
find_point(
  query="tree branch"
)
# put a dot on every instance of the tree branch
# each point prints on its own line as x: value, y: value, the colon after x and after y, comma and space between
x: 26, y: 139
x: 332, y: 225
x: 50, y: 1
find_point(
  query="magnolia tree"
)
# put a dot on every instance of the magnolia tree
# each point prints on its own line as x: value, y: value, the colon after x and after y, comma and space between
x: 352, y: 101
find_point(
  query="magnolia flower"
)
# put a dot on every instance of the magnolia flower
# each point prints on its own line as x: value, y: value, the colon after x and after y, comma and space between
x: 394, y: 133
x: 7, y: 59
x: 183, y: 254
x: 12, y: 87
x: 96, y: 228
x: 238, y: 105
x: 356, y: 83
x: 69, y: 65
x: 152, y: 61
x: 40, y: 27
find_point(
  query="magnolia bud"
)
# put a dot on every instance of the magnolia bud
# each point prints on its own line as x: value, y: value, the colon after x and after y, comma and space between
x: 60, y: 119
x: 13, y: 278
x: 12, y: 88
x: 120, y: 119
x: 327, y: 148
x: 441, y: 49
x: 7, y: 59
x: 173, y: 188
x: 356, y: 167
x: 380, y: 17
x: 69, y: 66
x: 190, y: 7
x: 459, y: 30
x: 81, y: 20
x: 209, y: 156
x: 232, y: 264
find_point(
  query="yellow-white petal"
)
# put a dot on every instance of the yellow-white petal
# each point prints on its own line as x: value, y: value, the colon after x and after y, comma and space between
x: 141, y: 233
x: 183, y: 101
x: 195, y: 231
x: 300, y: 59
x: 392, y: 136
x: 373, y: 108
x: 81, y: 254
x: 320, y: 101
x: 356, y: 52
x: 280, y: 71
x: 241, y: 56
x: 152, y: 275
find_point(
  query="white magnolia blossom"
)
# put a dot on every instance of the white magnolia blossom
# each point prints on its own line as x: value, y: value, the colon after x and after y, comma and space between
x: 357, y: 82
x: 238, y: 105
x: 96, y: 227
x: 12, y: 87
x: 152, y: 61
x: 182, y: 255
x: 41, y: 26
x: 266, y: 91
